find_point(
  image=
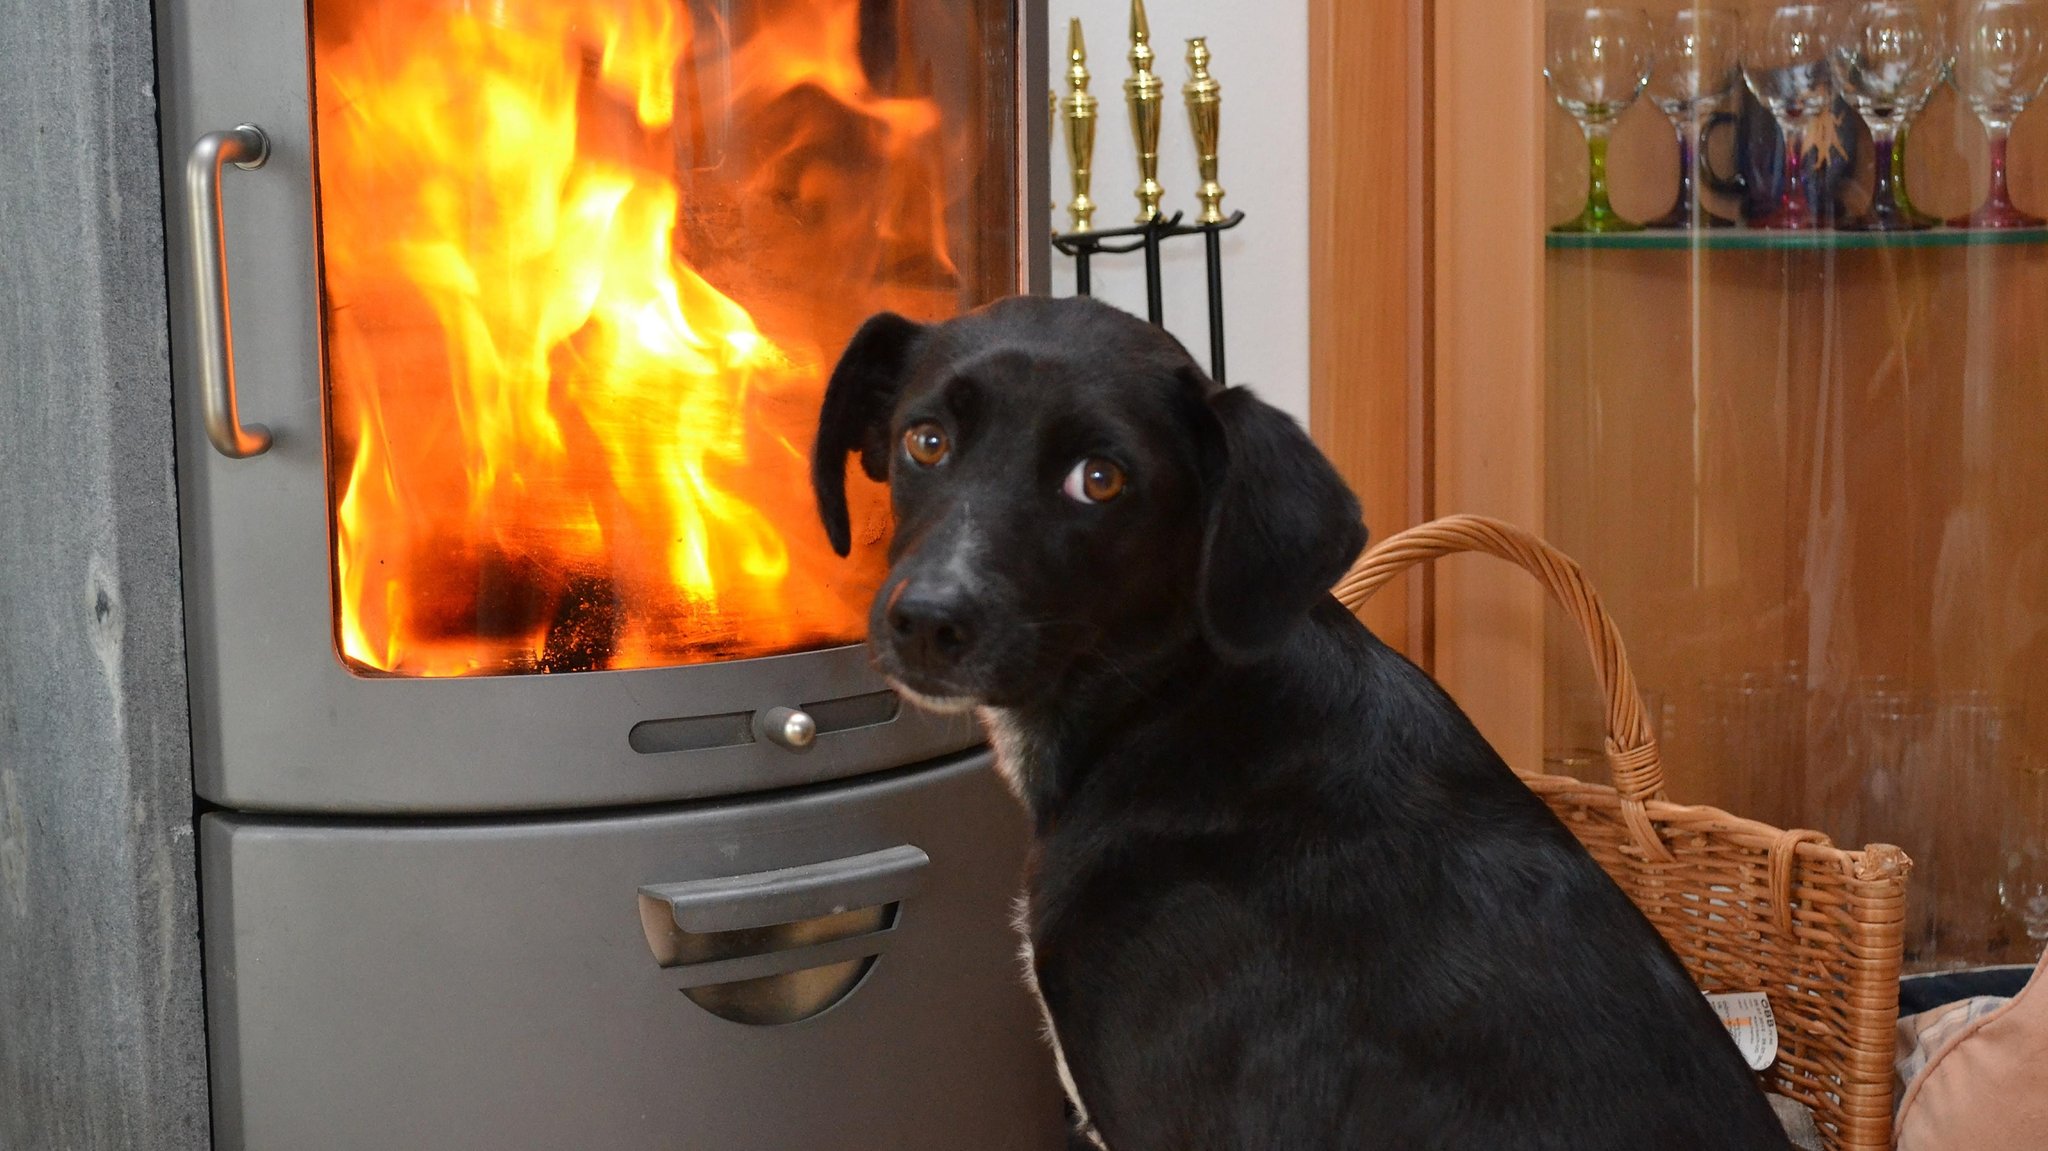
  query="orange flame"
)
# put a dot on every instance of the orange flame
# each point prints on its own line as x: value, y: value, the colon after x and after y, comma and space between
x: 557, y: 444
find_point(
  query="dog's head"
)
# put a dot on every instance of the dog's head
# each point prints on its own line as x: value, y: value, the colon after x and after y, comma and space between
x: 1070, y: 487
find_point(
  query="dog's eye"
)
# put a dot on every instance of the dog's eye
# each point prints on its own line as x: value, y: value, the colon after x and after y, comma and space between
x: 926, y: 444
x: 1094, y: 481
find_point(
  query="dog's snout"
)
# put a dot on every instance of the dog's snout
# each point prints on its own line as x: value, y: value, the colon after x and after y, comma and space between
x: 931, y: 622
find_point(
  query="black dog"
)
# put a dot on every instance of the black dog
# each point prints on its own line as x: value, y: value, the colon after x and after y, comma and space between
x: 1283, y: 895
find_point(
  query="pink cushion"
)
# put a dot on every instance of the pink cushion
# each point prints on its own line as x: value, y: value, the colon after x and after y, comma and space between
x: 1987, y: 1089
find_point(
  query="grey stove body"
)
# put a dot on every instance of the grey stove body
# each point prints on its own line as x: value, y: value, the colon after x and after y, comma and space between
x: 743, y: 905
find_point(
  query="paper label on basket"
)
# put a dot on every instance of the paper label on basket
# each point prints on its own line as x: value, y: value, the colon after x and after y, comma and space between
x: 1750, y: 1023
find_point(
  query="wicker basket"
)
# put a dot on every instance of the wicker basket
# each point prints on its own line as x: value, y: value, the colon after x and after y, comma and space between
x: 1747, y: 906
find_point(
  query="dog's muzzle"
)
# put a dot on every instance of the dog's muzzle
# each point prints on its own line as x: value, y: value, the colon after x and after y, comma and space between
x: 931, y: 627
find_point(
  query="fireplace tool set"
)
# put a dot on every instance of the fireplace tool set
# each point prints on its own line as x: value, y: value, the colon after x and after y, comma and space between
x: 1144, y: 93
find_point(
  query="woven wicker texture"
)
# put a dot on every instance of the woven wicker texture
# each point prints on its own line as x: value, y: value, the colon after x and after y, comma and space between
x: 1747, y: 906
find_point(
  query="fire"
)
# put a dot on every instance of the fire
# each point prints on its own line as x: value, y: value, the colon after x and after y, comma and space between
x: 558, y: 443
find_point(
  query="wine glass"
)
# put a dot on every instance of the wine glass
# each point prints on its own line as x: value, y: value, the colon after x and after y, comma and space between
x: 2023, y: 847
x: 1597, y: 61
x: 1901, y: 192
x: 1886, y: 56
x: 1976, y: 742
x: 2001, y: 65
x: 1692, y: 72
x: 1785, y: 60
x: 1888, y: 749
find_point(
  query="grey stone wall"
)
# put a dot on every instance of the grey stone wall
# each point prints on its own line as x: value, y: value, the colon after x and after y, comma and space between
x: 101, y: 1039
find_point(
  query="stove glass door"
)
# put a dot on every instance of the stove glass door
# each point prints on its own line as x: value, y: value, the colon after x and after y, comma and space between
x: 585, y: 266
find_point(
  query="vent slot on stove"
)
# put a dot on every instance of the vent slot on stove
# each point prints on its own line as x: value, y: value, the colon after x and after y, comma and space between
x: 736, y: 728
x: 855, y: 711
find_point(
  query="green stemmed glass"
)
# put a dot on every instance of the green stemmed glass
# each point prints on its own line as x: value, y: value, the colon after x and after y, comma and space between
x: 1900, y: 192
x: 1597, y: 61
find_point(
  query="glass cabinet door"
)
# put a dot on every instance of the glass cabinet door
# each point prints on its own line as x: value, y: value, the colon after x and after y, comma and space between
x: 1746, y: 309
x: 1795, y: 424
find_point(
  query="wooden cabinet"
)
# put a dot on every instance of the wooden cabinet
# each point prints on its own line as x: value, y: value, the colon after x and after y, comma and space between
x: 1809, y: 473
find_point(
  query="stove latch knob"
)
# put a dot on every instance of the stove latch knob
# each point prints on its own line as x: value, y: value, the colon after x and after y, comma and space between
x: 786, y: 727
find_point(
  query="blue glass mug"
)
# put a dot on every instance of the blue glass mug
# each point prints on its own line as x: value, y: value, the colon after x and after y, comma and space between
x: 1755, y: 153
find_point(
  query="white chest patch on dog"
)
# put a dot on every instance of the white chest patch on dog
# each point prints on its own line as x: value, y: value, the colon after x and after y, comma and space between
x: 1012, y: 748
x: 1082, y: 1123
x: 1013, y: 762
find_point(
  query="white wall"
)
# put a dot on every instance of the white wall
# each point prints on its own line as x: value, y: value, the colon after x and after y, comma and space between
x: 1260, y: 55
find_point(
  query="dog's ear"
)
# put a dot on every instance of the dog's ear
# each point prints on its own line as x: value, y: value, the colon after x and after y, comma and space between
x: 1282, y: 526
x: 855, y: 415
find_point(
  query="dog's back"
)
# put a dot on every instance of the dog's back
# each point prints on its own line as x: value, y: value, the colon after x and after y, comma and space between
x: 1304, y: 904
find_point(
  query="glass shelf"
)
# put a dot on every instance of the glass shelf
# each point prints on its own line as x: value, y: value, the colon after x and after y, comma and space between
x: 1753, y: 239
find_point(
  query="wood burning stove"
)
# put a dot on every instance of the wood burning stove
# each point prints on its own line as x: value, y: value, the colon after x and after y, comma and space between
x: 555, y: 803
x: 536, y: 333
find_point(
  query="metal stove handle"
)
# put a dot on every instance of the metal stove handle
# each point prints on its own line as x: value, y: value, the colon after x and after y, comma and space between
x: 745, y: 910
x: 767, y: 898
x: 246, y: 147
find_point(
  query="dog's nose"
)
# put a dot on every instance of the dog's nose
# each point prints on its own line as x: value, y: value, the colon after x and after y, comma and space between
x: 930, y: 622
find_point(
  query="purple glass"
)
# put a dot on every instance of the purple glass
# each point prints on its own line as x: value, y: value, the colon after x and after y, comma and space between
x: 1692, y: 73
x: 1886, y: 58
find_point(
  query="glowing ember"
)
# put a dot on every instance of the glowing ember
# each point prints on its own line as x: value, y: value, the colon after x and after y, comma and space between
x: 557, y: 445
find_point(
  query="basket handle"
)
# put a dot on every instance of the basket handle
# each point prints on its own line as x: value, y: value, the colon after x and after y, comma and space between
x: 1631, y: 749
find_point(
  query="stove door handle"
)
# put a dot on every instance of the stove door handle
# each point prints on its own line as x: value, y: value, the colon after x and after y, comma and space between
x: 246, y: 147
x: 729, y: 928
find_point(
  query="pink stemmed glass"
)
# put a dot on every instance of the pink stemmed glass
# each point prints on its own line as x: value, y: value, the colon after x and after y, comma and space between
x: 2001, y: 66
x: 1785, y: 61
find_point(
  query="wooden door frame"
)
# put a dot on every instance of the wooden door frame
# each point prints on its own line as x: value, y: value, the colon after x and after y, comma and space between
x: 1370, y: 300
x: 1427, y: 340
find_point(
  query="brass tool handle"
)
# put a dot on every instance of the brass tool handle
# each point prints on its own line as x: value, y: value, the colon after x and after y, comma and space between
x: 246, y: 147
x: 1144, y: 93
x: 1080, y: 119
x: 1204, y: 98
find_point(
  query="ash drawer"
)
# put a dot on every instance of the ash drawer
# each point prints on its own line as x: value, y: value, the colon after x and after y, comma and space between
x: 813, y: 971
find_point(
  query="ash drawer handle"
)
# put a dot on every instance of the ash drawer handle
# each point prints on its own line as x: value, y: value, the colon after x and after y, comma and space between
x: 747, y: 967
x: 736, y: 927
x: 246, y: 147
x: 768, y: 898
